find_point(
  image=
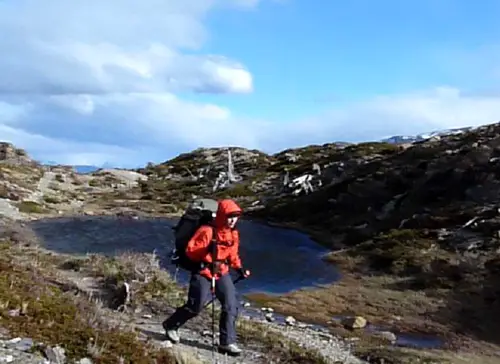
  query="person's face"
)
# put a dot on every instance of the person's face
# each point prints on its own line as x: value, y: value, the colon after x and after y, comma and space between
x: 231, y: 221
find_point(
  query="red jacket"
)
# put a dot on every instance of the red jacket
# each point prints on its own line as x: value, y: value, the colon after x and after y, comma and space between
x: 228, y: 241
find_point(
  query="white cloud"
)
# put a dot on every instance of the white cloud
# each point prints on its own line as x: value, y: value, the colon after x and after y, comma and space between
x: 58, y: 47
x: 133, y: 129
x: 89, y: 82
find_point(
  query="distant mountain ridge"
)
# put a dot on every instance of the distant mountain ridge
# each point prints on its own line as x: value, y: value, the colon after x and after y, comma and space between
x: 403, y: 139
x: 86, y: 169
x: 78, y: 168
x: 396, y: 139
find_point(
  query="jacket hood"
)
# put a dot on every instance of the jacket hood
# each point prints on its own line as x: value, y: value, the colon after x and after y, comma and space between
x: 226, y: 208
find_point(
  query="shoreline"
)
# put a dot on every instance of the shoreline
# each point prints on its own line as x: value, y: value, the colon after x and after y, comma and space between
x: 374, y: 297
x: 355, y: 291
x: 96, y: 275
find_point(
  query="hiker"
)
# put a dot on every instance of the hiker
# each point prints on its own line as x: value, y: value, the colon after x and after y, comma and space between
x: 222, y: 242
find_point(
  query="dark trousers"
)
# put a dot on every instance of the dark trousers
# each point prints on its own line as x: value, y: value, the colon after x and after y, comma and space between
x: 199, y: 294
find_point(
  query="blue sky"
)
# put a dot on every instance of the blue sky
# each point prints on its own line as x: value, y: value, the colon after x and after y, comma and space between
x: 305, y: 57
x: 124, y: 83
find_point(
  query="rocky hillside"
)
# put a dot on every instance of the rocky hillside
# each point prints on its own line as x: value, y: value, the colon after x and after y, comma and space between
x: 452, y: 182
x: 426, y: 213
x: 428, y: 217
x: 30, y: 190
x: 424, y: 217
x: 260, y: 177
x: 356, y: 191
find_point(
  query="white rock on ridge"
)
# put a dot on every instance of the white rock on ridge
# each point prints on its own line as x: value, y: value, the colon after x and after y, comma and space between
x: 8, y: 210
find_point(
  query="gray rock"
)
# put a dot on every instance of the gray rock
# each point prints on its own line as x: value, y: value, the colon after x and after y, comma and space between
x: 21, y: 344
x: 56, y: 354
x: 387, y: 335
x: 290, y: 320
x: 84, y: 361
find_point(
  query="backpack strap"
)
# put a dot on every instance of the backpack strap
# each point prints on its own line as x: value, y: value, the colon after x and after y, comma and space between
x: 213, y: 245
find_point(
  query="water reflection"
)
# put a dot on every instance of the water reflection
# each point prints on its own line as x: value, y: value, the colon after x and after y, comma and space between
x: 281, y: 260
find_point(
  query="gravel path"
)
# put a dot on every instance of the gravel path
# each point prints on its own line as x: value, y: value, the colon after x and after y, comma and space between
x: 198, y: 343
x: 197, y: 339
x: 42, y: 187
x: 194, y: 343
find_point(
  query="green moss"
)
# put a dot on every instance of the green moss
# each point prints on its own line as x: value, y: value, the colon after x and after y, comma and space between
x: 310, y: 151
x: 51, y: 199
x: 370, y: 148
x: 4, y: 192
x: 73, y: 264
x: 95, y: 182
x: 30, y: 207
x: 399, y: 251
x: 237, y: 190
x: 76, y: 182
x: 110, y: 180
x: 169, y: 192
x: 21, y: 152
x: 388, y: 355
x: 164, y: 290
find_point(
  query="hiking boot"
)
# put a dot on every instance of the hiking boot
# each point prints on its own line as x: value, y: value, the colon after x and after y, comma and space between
x: 231, y: 349
x: 171, y: 334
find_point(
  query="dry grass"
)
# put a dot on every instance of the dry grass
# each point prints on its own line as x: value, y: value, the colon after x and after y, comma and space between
x: 151, y: 286
x: 183, y: 357
x: 18, y: 233
x: 32, y: 283
x: 21, y: 175
x: 396, y: 355
x: 278, y: 348
x: 371, y: 297
x: 31, y: 207
x: 383, y: 302
x: 35, y: 304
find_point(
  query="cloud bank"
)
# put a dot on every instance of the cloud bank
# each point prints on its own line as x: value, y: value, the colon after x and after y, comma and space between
x: 89, y: 82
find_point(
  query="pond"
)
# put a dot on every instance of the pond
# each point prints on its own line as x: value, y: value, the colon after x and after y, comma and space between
x: 281, y: 260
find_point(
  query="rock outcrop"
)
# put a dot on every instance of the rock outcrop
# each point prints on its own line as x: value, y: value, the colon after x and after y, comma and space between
x: 11, y: 154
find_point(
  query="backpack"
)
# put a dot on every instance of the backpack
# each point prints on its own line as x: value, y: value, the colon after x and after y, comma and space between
x: 199, y: 212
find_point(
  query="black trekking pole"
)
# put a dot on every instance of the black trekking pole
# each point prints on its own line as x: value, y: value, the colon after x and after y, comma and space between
x: 212, y: 301
x: 214, y: 259
x: 213, y: 319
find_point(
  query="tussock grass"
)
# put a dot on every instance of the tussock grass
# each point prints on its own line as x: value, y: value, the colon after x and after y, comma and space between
x: 33, y: 305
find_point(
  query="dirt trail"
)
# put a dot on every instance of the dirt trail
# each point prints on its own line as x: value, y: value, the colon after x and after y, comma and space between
x: 194, y: 342
x: 42, y: 187
x: 196, y: 339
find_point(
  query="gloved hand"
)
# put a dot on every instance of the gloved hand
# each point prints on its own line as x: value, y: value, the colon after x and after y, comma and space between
x: 243, y: 273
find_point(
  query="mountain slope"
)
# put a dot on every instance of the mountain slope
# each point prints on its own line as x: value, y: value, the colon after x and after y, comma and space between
x: 401, y: 139
x: 424, y: 221
x: 415, y: 227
